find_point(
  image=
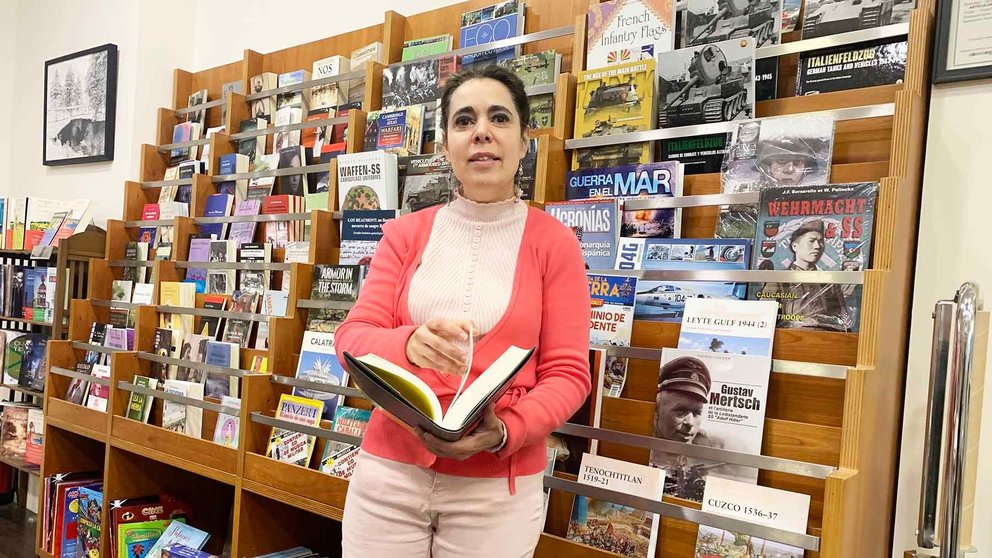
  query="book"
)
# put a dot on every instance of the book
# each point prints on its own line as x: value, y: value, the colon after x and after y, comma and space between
x: 180, y: 551
x: 288, y: 445
x: 244, y: 232
x: 708, y: 21
x: 826, y: 228
x: 211, y: 325
x: 35, y: 436
x: 139, y: 408
x: 254, y: 281
x: 319, y: 363
x: 787, y: 151
x: 760, y: 505
x: 626, y: 182
x: 218, y: 205
x: 870, y: 64
x: 17, y: 344
x: 745, y: 327
x: 411, y: 402
x: 16, y: 220
x: 621, y: 31
x: 339, y: 457
x: 361, y: 231
x: 226, y: 355
x: 821, y: 18
x: 199, y: 251
x: 89, y: 522
x: 615, y: 100
x: 398, y: 130
x: 595, y: 224
x: 608, y: 526
x: 299, y: 99
x: 266, y: 106
x: 177, y: 294
x: 713, y: 399
x: 331, y: 94
x: 338, y: 283
x: 274, y: 304
x: 14, y: 431
x: 540, y: 68
x: 290, y: 157
x: 134, y: 540
x: 427, y: 46
x: 238, y: 330
x: 686, y: 79
x: 33, y: 361
x: 180, y: 417
x: 613, y: 299
x: 98, y: 395
x: 178, y: 533
x: 683, y: 253
x: 198, y: 116
x: 222, y: 281
x: 75, y: 392
x: 425, y: 181
x: 367, y: 181
x: 193, y: 350
x: 254, y: 147
x: 228, y: 427
x: 489, y: 24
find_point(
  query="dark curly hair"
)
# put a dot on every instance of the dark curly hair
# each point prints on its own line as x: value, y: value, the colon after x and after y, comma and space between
x: 489, y: 71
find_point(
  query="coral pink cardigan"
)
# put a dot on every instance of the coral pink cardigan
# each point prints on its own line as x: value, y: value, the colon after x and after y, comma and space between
x: 549, y: 309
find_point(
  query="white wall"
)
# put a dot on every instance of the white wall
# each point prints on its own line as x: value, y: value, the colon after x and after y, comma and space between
x: 148, y: 51
x: 953, y: 248
x: 8, y: 37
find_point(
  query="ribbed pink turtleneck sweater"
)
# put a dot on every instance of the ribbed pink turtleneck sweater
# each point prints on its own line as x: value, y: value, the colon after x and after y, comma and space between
x: 484, y: 239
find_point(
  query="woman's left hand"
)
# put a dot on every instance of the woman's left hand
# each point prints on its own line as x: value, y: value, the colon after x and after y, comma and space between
x: 487, y: 435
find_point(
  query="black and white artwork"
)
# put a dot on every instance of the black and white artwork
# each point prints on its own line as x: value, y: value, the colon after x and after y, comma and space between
x: 80, y: 107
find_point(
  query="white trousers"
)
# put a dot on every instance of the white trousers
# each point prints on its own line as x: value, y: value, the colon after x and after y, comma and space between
x: 396, y: 510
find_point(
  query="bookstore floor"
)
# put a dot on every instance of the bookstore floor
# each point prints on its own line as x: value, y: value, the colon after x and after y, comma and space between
x: 17, y: 530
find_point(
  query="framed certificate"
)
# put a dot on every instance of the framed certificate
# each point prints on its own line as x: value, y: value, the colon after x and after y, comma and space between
x: 963, y: 40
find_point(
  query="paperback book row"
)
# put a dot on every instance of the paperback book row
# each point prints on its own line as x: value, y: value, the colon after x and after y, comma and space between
x: 712, y: 391
x: 27, y: 292
x: 152, y: 526
x: 22, y: 428
x: 318, y: 362
x: 638, y: 80
x: 801, y: 222
x: 26, y: 223
x: 187, y: 381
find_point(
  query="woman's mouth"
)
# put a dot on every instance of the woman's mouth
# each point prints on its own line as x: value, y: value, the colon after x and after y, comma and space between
x: 483, y: 159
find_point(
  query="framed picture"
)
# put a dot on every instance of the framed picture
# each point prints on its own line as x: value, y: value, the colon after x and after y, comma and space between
x: 80, y: 107
x: 963, y: 41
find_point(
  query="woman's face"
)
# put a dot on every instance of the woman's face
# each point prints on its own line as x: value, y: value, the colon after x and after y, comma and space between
x: 483, y: 139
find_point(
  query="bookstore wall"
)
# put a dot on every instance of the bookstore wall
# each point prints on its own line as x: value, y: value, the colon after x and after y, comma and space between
x: 194, y: 394
x: 952, y: 217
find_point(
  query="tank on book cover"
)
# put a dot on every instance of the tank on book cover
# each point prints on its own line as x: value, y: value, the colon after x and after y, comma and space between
x: 716, y: 85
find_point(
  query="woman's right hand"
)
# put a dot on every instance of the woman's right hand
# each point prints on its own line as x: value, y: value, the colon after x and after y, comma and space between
x: 432, y: 345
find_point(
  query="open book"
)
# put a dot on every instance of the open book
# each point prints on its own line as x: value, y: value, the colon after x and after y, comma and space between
x: 410, y: 400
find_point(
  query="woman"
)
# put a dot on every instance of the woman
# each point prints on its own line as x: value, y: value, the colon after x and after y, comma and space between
x: 486, y: 265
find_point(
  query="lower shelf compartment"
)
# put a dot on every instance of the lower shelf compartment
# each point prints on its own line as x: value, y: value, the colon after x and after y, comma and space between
x: 297, y: 486
x: 199, y: 456
x: 76, y: 418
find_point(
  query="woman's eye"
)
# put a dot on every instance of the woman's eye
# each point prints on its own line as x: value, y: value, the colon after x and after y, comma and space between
x: 463, y: 121
x: 501, y: 118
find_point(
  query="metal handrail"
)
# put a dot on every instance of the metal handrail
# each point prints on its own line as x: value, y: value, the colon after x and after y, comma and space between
x: 926, y: 533
x: 956, y: 445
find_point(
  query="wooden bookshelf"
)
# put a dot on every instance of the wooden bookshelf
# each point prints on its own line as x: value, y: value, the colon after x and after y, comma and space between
x: 255, y: 505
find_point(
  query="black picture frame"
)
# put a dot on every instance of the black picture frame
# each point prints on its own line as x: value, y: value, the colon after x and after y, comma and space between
x: 941, y: 38
x: 79, y: 126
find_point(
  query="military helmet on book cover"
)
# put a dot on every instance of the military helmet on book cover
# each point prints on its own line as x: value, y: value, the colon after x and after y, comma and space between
x: 686, y: 374
x: 809, y: 225
x: 790, y: 148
